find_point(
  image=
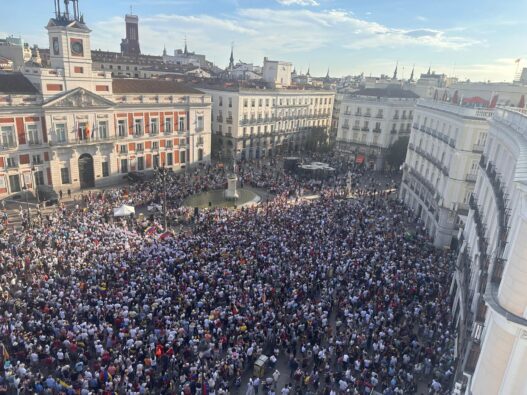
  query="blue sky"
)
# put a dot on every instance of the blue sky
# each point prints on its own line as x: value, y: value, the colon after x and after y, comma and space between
x: 469, y: 39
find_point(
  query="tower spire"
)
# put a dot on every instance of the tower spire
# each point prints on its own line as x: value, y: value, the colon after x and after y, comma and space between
x: 395, y: 71
x: 231, y: 59
x: 327, y: 75
x: 186, y: 50
x: 412, y: 75
x: 164, y: 50
x: 429, y: 68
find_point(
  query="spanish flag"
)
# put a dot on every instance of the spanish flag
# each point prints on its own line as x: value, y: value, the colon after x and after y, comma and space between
x: 150, y: 230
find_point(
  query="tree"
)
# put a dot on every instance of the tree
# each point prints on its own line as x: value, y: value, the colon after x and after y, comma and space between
x: 317, y: 139
x: 396, y: 153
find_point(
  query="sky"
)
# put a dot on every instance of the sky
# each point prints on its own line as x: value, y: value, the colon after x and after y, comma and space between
x: 478, y: 40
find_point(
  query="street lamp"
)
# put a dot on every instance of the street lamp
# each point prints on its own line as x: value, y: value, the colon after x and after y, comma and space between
x: 26, y: 189
x: 35, y: 186
x: 162, y: 171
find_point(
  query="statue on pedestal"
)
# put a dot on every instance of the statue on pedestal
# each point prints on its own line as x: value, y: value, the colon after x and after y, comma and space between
x: 348, y: 184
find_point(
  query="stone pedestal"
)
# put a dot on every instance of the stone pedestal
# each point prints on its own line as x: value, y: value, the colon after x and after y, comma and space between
x: 231, y: 192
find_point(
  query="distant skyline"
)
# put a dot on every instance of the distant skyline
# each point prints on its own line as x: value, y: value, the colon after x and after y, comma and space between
x: 472, y: 39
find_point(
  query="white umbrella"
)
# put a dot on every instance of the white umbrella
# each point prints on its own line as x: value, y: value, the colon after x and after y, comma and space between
x: 123, y: 211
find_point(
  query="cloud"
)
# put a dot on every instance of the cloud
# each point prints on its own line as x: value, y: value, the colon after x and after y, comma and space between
x: 299, y: 2
x: 421, y: 18
x: 289, y: 34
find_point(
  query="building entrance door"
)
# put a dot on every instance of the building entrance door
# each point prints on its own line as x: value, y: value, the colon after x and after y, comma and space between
x: 86, y: 173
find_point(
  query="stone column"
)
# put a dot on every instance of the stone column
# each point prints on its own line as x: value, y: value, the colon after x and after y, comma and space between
x: 493, y: 359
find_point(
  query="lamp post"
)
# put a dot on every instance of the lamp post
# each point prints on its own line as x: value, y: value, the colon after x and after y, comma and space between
x: 163, y: 173
x: 26, y: 189
x: 35, y: 186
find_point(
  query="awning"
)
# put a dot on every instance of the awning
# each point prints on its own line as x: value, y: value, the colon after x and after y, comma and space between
x: 359, y: 159
x: 123, y: 211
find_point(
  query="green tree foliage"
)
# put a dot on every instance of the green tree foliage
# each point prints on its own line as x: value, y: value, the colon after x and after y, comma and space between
x: 396, y: 153
x: 317, y: 140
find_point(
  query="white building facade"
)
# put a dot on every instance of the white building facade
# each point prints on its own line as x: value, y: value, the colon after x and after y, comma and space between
x: 257, y: 123
x: 441, y: 165
x: 371, y: 120
x: 277, y: 73
x: 67, y: 127
x: 493, y: 264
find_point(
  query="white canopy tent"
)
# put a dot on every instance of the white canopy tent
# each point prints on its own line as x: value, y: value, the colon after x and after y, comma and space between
x: 123, y: 211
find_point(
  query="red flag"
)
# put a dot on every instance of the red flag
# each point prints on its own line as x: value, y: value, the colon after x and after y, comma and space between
x: 494, y: 101
x: 455, y: 98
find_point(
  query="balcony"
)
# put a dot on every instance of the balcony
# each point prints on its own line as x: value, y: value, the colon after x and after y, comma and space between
x: 423, y: 181
x: 219, y: 118
x: 395, y: 117
x: 85, y: 141
x: 11, y: 165
x: 501, y: 199
x: 478, y: 148
x: 393, y: 131
x: 358, y: 114
x: 34, y: 142
x: 357, y: 128
x: 365, y: 129
x: 8, y: 145
x: 346, y: 127
x: 452, y: 143
x: 377, y: 130
x: 379, y: 116
x: 367, y: 115
x: 471, y: 177
x: 480, y: 227
x: 415, y: 126
x: 229, y: 120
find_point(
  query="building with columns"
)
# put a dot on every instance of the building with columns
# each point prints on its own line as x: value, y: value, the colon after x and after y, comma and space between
x: 490, y: 288
x: 441, y: 164
x: 256, y: 123
x: 70, y: 127
x: 371, y: 120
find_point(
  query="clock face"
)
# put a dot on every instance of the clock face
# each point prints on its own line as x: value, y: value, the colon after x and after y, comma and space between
x: 77, y: 48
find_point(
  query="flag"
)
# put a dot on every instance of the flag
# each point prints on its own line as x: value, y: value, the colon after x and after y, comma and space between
x: 5, y: 354
x: 494, y: 101
x: 204, y: 387
x: 150, y: 230
x: 517, y: 60
x: 165, y: 235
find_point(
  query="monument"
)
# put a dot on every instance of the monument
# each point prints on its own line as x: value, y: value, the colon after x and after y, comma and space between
x: 231, y: 192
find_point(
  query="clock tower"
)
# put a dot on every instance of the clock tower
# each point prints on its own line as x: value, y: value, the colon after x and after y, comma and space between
x: 69, y: 42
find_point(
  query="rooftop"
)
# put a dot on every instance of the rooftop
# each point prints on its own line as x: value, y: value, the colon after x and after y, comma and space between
x: 122, y: 86
x: 392, y: 92
x: 16, y: 83
x: 256, y: 87
x: 465, y: 111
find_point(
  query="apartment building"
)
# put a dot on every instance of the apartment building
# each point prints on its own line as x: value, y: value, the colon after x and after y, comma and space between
x: 257, y: 123
x: 490, y: 290
x: 441, y: 164
x: 371, y: 120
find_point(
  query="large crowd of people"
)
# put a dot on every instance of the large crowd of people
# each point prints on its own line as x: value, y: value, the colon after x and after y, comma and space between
x: 336, y: 290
